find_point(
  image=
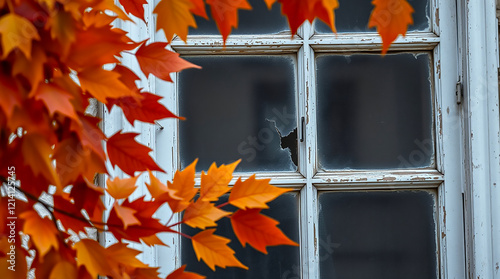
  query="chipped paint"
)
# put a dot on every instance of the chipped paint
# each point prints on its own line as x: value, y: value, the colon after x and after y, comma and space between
x: 388, y: 178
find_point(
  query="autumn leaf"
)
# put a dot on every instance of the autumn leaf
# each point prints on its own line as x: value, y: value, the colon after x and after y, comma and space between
x: 42, y: 231
x: 17, y: 32
x: 215, y: 182
x: 129, y: 155
x: 199, y: 8
x: 63, y: 269
x: 213, y: 250
x: 202, y: 214
x: 121, y: 188
x: 225, y: 14
x: 135, y: 7
x: 254, y: 193
x: 181, y: 274
x: 183, y: 185
x: 56, y: 100
x: 126, y: 214
x: 103, y: 84
x: 155, y: 59
x: 32, y: 69
x: 37, y: 153
x: 160, y: 190
x: 258, y: 230
x: 94, y: 257
x: 9, y: 97
x: 391, y: 17
x: 174, y: 17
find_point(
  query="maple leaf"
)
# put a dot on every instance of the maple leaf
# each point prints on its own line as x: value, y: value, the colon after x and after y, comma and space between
x: 42, y: 232
x: 37, y: 153
x: 183, y: 185
x: 135, y: 7
x: 129, y: 155
x: 103, y: 84
x: 17, y: 32
x: 215, y: 182
x: 391, y: 17
x: 213, y: 250
x: 181, y: 274
x: 155, y: 59
x: 63, y: 269
x: 32, y: 68
x: 199, y: 8
x: 56, y: 99
x: 258, y: 230
x: 9, y: 96
x: 174, y: 17
x: 95, y: 259
x: 147, y: 109
x: 128, y: 77
x: 126, y: 214
x: 121, y: 188
x: 63, y: 28
x: 73, y: 222
x: 160, y: 190
x: 225, y: 14
x: 254, y: 193
x: 202, y: 214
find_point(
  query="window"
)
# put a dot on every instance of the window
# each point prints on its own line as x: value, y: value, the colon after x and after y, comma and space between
x: 366, y: 142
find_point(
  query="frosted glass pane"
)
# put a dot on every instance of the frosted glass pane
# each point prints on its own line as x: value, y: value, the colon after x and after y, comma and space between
x: 239, y: 107
x: 374, y: 112
x: 259, y: 20
x: 353, y: 16
x: 377, y: 235
x: 280, y: 262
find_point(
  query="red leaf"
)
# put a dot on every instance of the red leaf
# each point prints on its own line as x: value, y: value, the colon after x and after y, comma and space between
x: 181, y: 274
x: 155, y: 59
x: 129, y: 155
x: 225, y: 14
x: 135, y: 7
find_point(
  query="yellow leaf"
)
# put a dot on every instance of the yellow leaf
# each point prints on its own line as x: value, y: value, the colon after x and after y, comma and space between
x: 254, y: 193
x: 121, y: 188
x: 213, y: 250
x: 42, y: 232
x: 17, y: 32
x: 215, y: 182
x: 175, y: 17
x: 183, y: 185
x: 202, y: 214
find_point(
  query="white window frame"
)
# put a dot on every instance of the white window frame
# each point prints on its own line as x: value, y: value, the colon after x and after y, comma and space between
x: 466, y: 166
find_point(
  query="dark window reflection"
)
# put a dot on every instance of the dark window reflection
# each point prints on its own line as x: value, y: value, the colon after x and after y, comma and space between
x: 239, y: 107
x: 259, y: 20
x: 377, y: 235
x: 374, y: 112
x: 280, y: 261
x: 353, y: 16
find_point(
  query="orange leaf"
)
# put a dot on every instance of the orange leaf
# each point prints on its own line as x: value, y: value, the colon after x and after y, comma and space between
x: 95, y: 259
x: 56, y: 99
x: 298, y: 11
x: 32, y: 68
x: 129, y: 155
x: 199, y: 8
x: 258, y: 230
x: 63, y: 28
x: 63, y: 269
x: 9, y: 96
x: 326, y: 14
x: 135, y: 7
x: 42, y: 232
x: 155, y: 59
x: 174, y: 17
x: 122, y: 254
x: 213, y: 250
x: 37, y: 153
x: 103, y: 84
x: 391, y: 17
x: 225, y: 14
x: 126, y: 214
x: 181, y: 274
x: 17, y: 32
x: 120, y: 188
x: 158, y: 189
x: 254, y: 193
x: 215, y: 182
x: 128, y: 77
x: 270, y: 3
x: 183, y: 185
x: 202, y: 214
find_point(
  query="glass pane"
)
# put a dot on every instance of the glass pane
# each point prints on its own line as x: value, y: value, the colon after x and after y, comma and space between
x: 239, y: 107
x: 259, y: 20
x: 374, y: 112
x: 280, y: 261
x: 377, y: 235
x: 353, y: 16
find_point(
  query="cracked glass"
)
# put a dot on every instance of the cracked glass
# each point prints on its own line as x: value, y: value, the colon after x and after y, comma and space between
x: 239, y: 107
x: 269, y: 21
x: 353, y: 16
x: 378, y: 235
x: 374, y: 112
x: 280, y: 261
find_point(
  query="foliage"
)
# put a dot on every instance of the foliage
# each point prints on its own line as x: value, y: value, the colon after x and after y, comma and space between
x: 56, y: 55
